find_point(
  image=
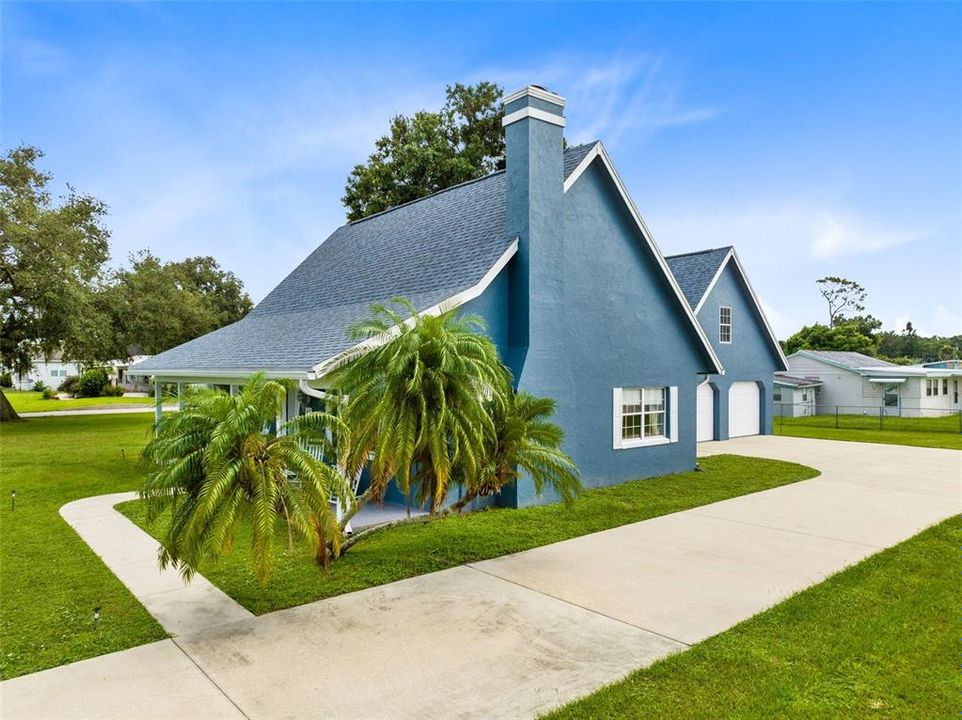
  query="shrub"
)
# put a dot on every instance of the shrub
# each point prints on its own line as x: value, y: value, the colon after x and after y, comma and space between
x: 69, y: 385
x: 39, y: 386
x: 92, y: 383
x: 6, y: 380
x: 113, y: 391
x: 49, y: 393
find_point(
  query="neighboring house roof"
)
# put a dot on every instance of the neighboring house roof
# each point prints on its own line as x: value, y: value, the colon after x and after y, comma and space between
x: 850, y: 360
x: 442, y: 248
x: 697, y: 272
x: 865, y: 365
x: 795, y: 381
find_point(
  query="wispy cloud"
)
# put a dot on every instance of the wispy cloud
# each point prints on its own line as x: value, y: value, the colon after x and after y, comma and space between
x: 837, y: 234
x: 613, y: 97
x: 800, y: 228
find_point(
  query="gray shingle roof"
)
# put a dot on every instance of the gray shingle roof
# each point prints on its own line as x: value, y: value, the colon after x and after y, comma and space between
x: 427, y: 251
x: 695, y: 270
x: 851, y: 360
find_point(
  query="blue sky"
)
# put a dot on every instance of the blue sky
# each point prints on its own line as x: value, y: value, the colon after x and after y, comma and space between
x: 818, y: 139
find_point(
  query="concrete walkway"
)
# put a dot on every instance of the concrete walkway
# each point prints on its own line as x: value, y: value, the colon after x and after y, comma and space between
x: 132, y: 556
x: 515, y: 636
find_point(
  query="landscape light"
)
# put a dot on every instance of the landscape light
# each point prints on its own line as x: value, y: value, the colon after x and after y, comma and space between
x: 13, y: 500
x: 96, y: 616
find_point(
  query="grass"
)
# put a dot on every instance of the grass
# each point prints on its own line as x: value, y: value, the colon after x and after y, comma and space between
x: 27, y: 401
x: 937, y: 432
x: 408, y: 550
x: 51, y: 580
x: 877, y: 640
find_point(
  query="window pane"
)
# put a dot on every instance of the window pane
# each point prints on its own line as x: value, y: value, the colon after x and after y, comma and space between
x: 630, y: 427
x: 631, y: 396
x: 654, y: 399
x: 654, y: 424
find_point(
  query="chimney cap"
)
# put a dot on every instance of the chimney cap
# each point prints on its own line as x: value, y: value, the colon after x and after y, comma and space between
x: 537, y: 91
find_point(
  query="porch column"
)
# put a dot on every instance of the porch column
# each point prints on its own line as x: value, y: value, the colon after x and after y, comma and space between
x: 233, y: 390
x: 180, y: 396
x: 158, y: 403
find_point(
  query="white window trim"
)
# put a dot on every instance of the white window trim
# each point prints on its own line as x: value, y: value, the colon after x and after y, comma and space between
x: 729, y: 324
x: 671, y: 420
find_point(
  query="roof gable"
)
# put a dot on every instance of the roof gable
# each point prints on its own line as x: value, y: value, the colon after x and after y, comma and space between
x: 695, y: 266
x: 596, y: 151
x: 696, y: 270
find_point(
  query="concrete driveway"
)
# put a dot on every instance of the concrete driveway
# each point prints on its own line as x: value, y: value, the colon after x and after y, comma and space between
x: 518, y: 635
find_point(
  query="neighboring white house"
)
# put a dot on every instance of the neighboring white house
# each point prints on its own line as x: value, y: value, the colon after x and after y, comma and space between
x: 794, y: 396
x: 856, y: 384
x: 51, y: 372
x: 54, y: 370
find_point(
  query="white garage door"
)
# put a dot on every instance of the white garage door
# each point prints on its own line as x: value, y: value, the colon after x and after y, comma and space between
x: 706, y: 413
x: 743, y: 404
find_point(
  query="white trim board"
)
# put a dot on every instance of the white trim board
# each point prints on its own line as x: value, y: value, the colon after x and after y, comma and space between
x: 598, y: 151
x: 535, y: 113
x: 536, y: 92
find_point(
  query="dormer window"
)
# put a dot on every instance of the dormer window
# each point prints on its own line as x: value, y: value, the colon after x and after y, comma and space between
x: 724, y: 324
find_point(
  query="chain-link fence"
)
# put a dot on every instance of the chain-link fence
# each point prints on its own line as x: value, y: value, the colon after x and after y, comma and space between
x: 868, y: 417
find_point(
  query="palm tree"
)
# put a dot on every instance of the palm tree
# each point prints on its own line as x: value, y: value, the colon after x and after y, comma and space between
x: 217, y: 462
x: 525, y: 440
x: 417, y: 394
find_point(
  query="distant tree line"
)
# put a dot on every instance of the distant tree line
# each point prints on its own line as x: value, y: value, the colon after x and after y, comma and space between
x: 58, y: 295
x: 863, y: 333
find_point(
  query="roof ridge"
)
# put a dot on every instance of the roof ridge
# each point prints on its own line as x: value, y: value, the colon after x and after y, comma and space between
x: 426, y: 197
x: 726, y: 248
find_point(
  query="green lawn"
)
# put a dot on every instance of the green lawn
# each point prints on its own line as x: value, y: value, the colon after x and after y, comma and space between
x: 50, y: 580
x: 878, y: 640
x: 941, y: 432
x: 405, y: 551
x: 27, y: 401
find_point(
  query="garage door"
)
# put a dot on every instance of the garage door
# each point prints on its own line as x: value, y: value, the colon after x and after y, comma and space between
x: 706, y: 413
x: 743, y: 404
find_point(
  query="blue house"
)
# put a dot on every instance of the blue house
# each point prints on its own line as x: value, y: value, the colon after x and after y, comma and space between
x: 553, y: 253
x: 738, y: 402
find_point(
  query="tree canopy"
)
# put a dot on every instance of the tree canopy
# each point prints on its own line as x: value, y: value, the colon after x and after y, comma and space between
x: 863, y: 333
x: 157, y: 305
x: 57, y: 295
x: 430, y: 151
x: 841, y: 295
x: 52, y: 253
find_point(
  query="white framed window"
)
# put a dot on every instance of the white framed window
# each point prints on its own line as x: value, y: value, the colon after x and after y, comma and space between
x: 945, y: 386
x: 777, y: 397
x: 645, y: 416
x: 724, y: 324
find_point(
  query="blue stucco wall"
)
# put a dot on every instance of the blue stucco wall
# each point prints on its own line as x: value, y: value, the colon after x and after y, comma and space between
x: 750, y: 355
x: 602, y: 315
